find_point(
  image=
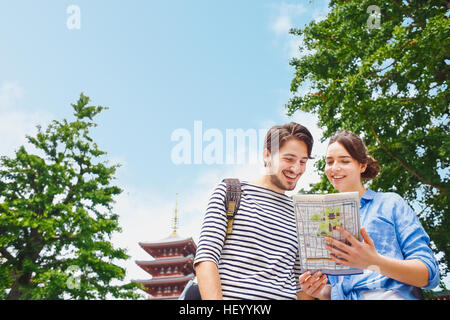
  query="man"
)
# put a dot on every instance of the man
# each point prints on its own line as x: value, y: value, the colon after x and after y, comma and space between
x: 259, y: 259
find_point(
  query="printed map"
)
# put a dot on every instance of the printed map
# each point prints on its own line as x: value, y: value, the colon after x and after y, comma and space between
x: 317, y: 217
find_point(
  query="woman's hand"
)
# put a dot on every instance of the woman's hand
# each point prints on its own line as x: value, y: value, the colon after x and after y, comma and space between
x: 315, y: 285
x: 358, y: 254
x: 363, y: 255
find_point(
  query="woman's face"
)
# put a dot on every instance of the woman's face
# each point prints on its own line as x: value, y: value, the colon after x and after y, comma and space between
x: 343, y: 171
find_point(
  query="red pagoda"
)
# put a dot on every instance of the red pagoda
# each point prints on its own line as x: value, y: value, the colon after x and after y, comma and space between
x: 172, y: 267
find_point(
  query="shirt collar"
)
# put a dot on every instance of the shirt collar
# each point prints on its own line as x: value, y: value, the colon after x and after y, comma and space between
x: 367, y: 196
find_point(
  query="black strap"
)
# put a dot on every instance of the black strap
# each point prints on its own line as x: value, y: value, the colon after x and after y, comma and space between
x: 232, y: 200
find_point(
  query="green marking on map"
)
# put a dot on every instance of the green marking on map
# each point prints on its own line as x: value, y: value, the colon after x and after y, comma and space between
x: 329, y: 218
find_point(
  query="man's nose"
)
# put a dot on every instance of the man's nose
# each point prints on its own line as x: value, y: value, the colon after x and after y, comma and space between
x: 296, y: 168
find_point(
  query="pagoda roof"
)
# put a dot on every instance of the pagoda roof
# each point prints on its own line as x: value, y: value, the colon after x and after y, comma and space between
x: 166, y: 261
x: 166, y: 280
x: 169, y: 240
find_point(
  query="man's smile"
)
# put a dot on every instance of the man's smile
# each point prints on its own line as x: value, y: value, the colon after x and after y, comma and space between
x: 290, y: 176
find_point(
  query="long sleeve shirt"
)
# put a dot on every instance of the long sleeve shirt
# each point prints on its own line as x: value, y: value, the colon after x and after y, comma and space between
x: 397, y: 233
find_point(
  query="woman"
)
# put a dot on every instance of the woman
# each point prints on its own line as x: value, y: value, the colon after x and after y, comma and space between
x: 395, y: 252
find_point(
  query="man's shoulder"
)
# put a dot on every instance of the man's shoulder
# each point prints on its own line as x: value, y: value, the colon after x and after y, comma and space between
x: 219, y: 191
x: 259, y: 193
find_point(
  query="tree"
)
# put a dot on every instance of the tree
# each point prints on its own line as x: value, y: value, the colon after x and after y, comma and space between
x: 381, y: 70
x: 56, y: 216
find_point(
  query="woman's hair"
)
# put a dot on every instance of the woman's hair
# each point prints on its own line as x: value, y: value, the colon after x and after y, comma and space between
x: 357, y: 149
x: 281, y: 134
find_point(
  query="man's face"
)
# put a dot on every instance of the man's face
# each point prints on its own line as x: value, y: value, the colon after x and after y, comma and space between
x: 287, y: 165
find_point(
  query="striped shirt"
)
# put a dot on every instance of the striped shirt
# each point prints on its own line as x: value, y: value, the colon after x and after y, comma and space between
x: 259, y: 259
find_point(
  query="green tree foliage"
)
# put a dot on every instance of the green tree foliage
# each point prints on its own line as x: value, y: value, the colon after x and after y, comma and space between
x: 56, y: 216
x: 389, y: 84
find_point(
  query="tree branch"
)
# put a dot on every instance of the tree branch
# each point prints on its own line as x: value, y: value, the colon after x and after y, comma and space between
x: 403, y: 164
x: 407, y: 14
x: 6, y: 254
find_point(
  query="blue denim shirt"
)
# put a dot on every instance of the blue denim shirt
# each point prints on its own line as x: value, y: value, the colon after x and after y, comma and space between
x: 397, y: 233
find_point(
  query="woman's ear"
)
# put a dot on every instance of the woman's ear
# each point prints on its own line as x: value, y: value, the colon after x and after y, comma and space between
x: 363, y: 167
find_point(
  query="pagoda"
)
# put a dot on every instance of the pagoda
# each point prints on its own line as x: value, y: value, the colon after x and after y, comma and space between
x: 172, y: 267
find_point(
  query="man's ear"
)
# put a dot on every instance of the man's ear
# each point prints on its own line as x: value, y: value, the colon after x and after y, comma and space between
x: 266, y: 157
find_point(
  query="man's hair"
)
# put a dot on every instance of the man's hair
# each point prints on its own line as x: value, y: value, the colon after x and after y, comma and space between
x: 279, y: 135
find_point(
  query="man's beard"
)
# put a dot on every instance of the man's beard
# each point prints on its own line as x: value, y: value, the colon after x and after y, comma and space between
x: 277, y: 182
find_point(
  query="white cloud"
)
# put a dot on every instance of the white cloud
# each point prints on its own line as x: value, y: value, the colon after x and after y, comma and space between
x: 16, y: 123
x: 144, y: 215
x: 286, y: 12
x: 291, y: 9
x: 295, y: 47
x: 289, y: 15
x: 10, y: 93
x: 282, y: 25
x: 321, y: 12
x: 14, y: 126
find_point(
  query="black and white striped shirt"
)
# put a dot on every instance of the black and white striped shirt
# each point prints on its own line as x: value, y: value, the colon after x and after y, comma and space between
x: 259, y: 259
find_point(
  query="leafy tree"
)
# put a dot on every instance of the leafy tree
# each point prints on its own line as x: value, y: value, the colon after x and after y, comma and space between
x: 56, y: 216
x: 385, y: 77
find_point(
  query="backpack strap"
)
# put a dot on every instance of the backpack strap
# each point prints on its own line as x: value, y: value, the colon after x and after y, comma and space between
x: 232, y: 200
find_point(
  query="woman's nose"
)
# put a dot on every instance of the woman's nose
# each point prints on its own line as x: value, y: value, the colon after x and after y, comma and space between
x: 335, y: 167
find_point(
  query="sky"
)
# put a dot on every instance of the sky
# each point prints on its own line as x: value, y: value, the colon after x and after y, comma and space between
x: 176, y: 75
